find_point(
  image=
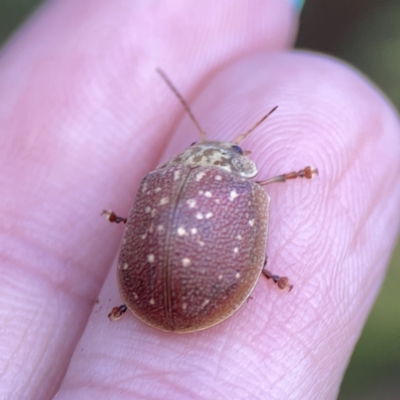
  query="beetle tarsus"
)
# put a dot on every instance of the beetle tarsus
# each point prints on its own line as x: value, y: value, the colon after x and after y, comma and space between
x: 307, y: 172
x: 112, y: 217
x: 117, y: 312
x: 281, y: 281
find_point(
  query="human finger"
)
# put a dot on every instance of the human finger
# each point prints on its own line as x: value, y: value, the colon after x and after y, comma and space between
x: 332, y: 236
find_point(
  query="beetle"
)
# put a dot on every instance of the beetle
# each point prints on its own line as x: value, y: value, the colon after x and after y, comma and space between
x: 194, y: 245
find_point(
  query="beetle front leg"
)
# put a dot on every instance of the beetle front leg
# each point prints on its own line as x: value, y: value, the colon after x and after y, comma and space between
x: 281, y: 281
x: 112, y: 217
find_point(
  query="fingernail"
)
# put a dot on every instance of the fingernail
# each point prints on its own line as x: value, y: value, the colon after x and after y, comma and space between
x: 297, y: 4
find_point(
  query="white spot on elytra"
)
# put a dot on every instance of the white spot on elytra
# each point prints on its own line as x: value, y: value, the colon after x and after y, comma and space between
x: 251, y: 222
x: 150, y: 258
x: 186, y: 262
x: 208, y: 194
x: 201, y: 192
x: 144, y: 188
x: 193, y: 231
x: 135, y: 296
x: 239, y: 237
x: 237, y: 276
x: 177, y: 175
x: 205, y: 302
x: 220, y: 277
x: 236, y: 250
x: 153, y: 212
x: 209, y: 215
x: 152, y: 302
x: 184, y: 306
x: 218, y: 177
x: 160, y: 228
x: 200, y: 242
x: 143, y: 236
x: 157, y: 189
x: 233, y: 195
x: 199, y: 215
x: 217, y: 201
x: 200, y: 176
x: 181, y: 231
x: 147, y: 209
x: 125, y: 266
x: 164, y: 200
x: 191, y: 203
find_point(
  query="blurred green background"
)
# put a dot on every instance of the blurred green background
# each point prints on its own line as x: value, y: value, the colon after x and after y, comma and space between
x: 366, y: 33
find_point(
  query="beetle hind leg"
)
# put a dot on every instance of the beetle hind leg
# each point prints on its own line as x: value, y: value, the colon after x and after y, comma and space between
x: 281, y: 281
x: 112, y: 217
x: 117, y: 312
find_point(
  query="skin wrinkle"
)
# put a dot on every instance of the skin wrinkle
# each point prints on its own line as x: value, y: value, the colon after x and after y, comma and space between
x: 191, y: 392
x: 226, y: 381
x: 165, y: 376
x: 275, y: 388
x: 363, y: 220
x: 44, y: 354
x: 308, y: 351
x: 157, y: 374
x: 288, y: 246
x: 19, y: 348
x: 31, y: 237
x: 109, y: 381
x: 13, y: 354
x: 30, y: 249
x: 368, y: 213
x: 219, y: 367
x: 304, y: 346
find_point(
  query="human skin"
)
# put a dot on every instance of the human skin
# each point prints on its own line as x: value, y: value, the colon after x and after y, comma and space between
x: 84, y: 116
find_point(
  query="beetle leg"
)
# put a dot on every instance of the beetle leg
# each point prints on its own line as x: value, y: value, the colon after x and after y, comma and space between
x: 281, y: 281
x: 112, y: 217
x: 307, y: 172
x: 116, y: 313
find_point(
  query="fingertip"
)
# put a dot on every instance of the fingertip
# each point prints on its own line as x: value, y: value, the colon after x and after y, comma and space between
x: 326, y: 234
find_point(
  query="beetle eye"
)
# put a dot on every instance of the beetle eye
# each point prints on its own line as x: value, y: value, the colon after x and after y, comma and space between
x: 237, y: 149
x: 193, y: 144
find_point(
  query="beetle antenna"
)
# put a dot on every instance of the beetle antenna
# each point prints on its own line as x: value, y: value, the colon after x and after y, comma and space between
x: 182, y: 100
x: 244, y: 135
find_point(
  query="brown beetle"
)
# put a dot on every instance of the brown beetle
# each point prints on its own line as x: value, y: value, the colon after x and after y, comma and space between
x: 195, y: 239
